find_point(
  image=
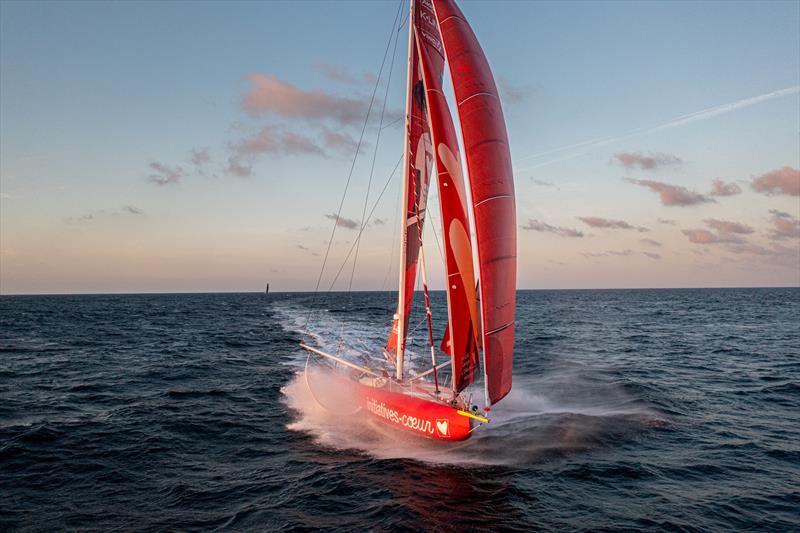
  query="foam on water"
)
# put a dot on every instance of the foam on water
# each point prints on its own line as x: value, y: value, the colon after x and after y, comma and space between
x: 560, y: 412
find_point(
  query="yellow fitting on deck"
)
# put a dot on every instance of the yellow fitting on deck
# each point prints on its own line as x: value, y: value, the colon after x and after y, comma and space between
x: 471, y: 415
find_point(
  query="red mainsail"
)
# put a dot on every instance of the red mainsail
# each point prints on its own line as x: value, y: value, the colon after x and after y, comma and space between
x: 418, y: 174
x: 461, y: 338
x: 492, y: 186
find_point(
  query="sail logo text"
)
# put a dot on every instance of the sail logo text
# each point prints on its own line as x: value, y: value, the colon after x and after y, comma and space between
x: 411, y: 422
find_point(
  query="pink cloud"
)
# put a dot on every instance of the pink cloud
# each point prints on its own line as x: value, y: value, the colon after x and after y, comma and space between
x: 727, y: 227
x: 537, y: 225
x: 165, y: 175
x: 238, y: 168
x: 340, y: 141
x: 672, y: 195
x: 652, y: 161
x: 268, y: 141
x: 652, y: 255
x: 607, y: 223
x: 336, y: 73
x: 620, y: 253
x: 651, y: 242
x: 784, y: 180
x: 269, y: 95
x: 200, y: 157
x: 342, y: 222
x: 703, y: 236
x: 667, y: 221
x: 294, y: 143
x: 720, y: 188
x: 786, y: 226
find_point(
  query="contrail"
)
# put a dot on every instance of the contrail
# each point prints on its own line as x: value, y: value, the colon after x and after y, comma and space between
x: 675, y: 122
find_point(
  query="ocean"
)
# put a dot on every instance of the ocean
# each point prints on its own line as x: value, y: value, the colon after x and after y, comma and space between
x: 631, y: 410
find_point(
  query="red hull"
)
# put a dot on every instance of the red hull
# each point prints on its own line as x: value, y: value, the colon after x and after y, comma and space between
x: 426, y: 418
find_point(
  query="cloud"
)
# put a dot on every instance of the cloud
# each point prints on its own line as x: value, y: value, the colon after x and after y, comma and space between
x: 607, y: 223
x: 132, y: 210
x: 651, y: 242
x: 720, y: 188
x: 672, y: 195
x: 780, y: 214
x: 294, y: 143
x: 777, y: 255
x: 536, y: 225
x: 703, y: 236
x: 237, y: 168
x: 200, y: 157
x: 339, y: 141
x: 164, y: 175
x: 342, y: 222
x: 726, y: 227
x: 652, y: 255
x: 335, y: 73
x: 747, y: 248
x: 379, y: 221
x: 620, y: 253
x: 514, y: 94
x: 652, y: 161
x: 786, y: 226
x: 105, y: 214
x: 784, y: 180
x: 269, y: 95
x: 667, y: 221
x: 268, y: 141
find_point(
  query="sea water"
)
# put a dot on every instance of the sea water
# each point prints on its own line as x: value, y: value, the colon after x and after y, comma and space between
x: 637, y: 409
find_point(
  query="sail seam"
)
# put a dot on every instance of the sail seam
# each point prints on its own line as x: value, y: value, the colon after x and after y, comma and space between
x: 474, y: 95
x: 488, y: 141
x: 496, y: 197
x: 498, y: 330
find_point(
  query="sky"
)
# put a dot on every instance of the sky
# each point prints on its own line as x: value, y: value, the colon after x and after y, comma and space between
x: 205, y: 146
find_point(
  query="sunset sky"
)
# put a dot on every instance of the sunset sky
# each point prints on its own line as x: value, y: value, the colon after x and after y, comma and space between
x: 201, y: 146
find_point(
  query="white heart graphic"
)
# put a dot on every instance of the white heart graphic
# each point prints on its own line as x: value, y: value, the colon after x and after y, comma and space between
x: 441, y: 425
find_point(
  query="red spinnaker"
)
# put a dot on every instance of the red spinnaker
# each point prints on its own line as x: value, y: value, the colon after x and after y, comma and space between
x: 492, y: 185
x: 461, y: 339
x: 420, y: 160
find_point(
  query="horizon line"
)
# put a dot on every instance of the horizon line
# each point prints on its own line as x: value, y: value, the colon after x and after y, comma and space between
x: 157, y: 293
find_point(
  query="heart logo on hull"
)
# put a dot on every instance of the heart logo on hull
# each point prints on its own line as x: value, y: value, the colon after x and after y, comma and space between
x: 441, y: 425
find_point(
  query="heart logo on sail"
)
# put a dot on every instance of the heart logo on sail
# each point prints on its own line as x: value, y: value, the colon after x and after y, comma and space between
x: 441, y: 425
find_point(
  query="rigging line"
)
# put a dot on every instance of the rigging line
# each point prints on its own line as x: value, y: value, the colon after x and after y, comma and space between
x: 392, y: 123
x: 391, y: 252
x: 336, y: 278
x: 350, y: 174
x: 405, y: 19
x: 375, y: 153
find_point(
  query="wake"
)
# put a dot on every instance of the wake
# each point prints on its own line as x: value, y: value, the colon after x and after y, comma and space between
x: 564, y: 411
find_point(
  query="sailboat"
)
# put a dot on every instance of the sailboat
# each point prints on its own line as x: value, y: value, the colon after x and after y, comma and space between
x: 479, y: 338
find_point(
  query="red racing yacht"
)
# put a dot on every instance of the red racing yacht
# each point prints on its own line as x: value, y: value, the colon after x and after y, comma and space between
x: 478, y: 342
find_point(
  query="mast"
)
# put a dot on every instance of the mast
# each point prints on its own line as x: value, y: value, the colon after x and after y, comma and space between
x: 401, y: 296
x: 461, y: 335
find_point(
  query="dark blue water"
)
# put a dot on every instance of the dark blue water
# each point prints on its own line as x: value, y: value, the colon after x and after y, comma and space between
x: 639, y: 409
